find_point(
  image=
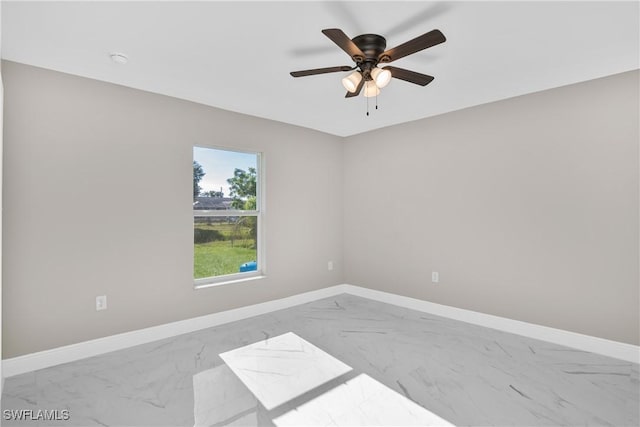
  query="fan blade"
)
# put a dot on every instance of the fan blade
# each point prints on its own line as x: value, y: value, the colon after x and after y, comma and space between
x: 345, y: 43
x: 357, y: 92
x: 422, y: 42
x: 410, y: 76
x: 320, y: 71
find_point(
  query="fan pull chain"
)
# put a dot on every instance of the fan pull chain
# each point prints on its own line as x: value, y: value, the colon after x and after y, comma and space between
x: 376, y: 101
x: 367, y: 106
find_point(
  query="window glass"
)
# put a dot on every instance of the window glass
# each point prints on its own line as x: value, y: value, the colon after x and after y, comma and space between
x: 226, y: 215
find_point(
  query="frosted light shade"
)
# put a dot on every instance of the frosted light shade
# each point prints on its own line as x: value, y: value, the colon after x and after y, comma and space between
x: 370, y: 89
x: 352, y: 81
x: 381, y: 76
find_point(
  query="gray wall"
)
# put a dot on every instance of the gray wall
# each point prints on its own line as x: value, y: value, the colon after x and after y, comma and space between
x: 97, y: 197
x: 528, y: 208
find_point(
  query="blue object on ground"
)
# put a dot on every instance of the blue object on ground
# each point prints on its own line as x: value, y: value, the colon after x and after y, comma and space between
x: 249, y: 266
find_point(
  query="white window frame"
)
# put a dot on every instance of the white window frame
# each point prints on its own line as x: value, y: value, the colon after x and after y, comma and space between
x: 260, y: 273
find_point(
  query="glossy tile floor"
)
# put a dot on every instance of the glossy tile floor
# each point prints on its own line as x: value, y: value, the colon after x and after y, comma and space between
x: 279, y: 369
x: 460, y: 373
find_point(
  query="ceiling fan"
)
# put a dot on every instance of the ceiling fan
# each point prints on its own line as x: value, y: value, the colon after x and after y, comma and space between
x: 368, y: 51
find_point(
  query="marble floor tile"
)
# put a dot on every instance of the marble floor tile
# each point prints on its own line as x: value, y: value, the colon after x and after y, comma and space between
x: 462, y: 373
x: 220, y: 398
x: 361, y: 401
x: 279, y: 369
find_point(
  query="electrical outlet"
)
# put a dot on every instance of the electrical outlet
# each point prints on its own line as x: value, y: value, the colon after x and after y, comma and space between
x: 101, y: 302
x: 330, y: 265
x: 435, y: 277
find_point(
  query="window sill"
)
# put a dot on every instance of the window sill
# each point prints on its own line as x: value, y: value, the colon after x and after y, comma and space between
x: 208, y: 283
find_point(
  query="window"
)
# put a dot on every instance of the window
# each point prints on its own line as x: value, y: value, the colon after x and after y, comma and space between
x: 226, y: 216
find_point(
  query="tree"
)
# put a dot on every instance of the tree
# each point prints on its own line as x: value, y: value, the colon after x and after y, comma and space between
x: 198, y: 174
x: 213, y: 193
x: 243, y: 189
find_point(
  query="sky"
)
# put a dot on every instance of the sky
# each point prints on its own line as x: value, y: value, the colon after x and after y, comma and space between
x: 219, y: 165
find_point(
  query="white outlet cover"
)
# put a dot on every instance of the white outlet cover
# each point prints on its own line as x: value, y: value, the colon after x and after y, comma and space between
x: 435, y: 277
x: 101, y: 302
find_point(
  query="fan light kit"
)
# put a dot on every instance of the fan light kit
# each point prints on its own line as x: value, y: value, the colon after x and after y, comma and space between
x: 368, y: 51
x: 352, y: 81
x: 370, y: 89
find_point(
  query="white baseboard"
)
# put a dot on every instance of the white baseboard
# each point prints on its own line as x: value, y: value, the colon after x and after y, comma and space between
x: 70, y: 353
x: 615, y: 349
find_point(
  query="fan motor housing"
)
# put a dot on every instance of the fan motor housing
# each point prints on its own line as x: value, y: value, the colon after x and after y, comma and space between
x: 372, y: 45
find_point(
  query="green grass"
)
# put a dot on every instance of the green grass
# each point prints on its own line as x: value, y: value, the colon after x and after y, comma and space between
x: 223, y: 256
x: 218, y: 258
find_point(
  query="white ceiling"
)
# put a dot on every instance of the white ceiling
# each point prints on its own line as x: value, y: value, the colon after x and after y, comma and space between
x: 238, y: 55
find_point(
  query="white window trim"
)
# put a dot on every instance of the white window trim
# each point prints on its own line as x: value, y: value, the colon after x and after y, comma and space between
x: 207, y: 282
